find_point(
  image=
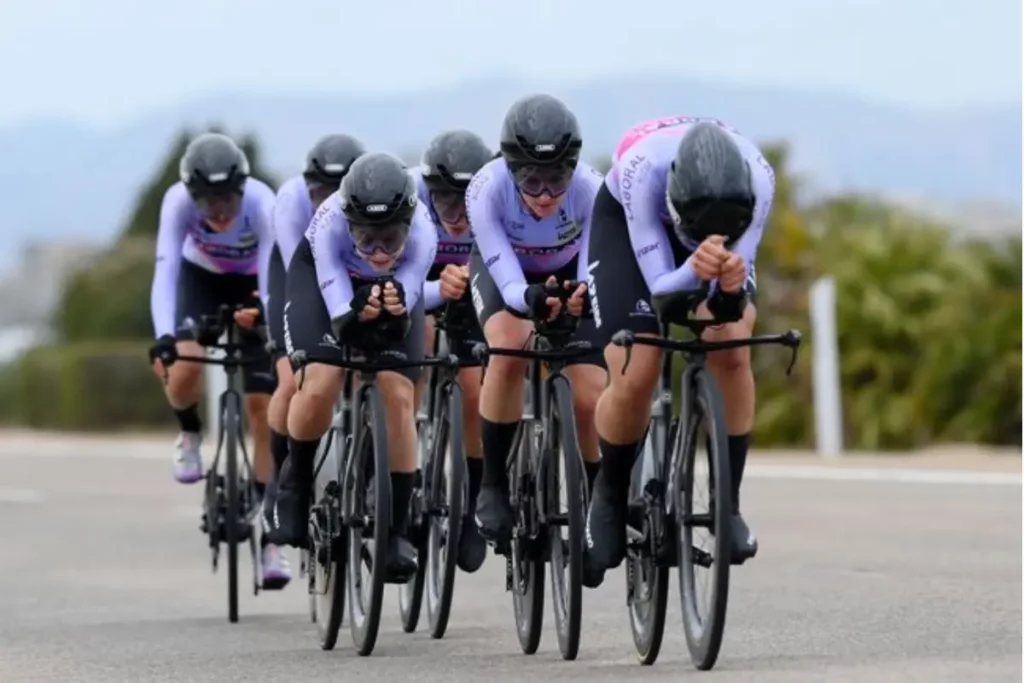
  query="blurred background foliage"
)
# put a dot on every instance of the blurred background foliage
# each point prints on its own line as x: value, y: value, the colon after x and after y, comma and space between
x: 929, y: 325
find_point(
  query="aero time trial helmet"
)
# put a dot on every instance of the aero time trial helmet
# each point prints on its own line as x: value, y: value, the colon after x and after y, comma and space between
x: 378, y: 197
x: 214, y: 170
x: 450, y: 162
x: 709, y: 189
x: 330, y: 159
x: 541, y: 143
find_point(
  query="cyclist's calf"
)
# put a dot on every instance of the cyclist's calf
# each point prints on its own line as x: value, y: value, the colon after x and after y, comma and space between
x: 625, y: 406
x: 184, y: 378
x: 277, y: 412
x: 312, y: 406
x: 501, y: 398
x: 397, y: 394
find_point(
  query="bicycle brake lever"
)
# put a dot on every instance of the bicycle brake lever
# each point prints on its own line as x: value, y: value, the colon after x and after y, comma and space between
x: 792, y: 361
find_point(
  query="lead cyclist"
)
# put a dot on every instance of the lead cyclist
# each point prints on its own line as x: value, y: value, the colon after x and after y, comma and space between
x: 685, y: 202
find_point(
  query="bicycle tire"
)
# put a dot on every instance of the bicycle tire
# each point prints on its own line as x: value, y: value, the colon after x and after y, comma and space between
x: 329, y: 605
x: 566, y: 596
x: 365, y: 624
x: 703, y: 636
x: 410, y: 594
x: 648, y: 627
x: 232, y: 419
x: 441, y: 578
x: 527, y: 565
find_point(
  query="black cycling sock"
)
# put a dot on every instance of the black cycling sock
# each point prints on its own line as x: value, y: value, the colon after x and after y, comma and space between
x: 188, y: 419
x: 617, y: 467
x: 738, y: 447
x: 475, y: 471
x: 497, y: 438
x: 301, y: 455
x: 591, y: 469
x: 278, y: 450
x: 401, y: 494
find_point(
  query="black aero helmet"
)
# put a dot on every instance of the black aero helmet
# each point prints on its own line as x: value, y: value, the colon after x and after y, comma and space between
x: 709, y: 189
x: 330, y: 159
x: 378, y: 197
x: 213, y: 165
x: 451, y: 160
x: 539, y: 130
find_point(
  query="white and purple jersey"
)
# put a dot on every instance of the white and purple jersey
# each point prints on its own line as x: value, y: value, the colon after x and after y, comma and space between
x: 638, y: 180
x: 293, y: 210
x: 338, y: 261
x: 512, y: 241
x: 450, y: 250
x: 242, y: 249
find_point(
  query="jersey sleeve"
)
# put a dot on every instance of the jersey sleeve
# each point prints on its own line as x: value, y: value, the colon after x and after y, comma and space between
x: 326, y: 241
x: 412, y: 274
x: 432, y: 295
x: 647, y: 233
x: 170, y: 239
x: 591, y: 181
x: 482, y: 209
x: 265, y: 232
x: 289, y: 223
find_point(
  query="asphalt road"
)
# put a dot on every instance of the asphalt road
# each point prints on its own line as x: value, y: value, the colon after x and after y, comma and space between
x: 887, y: 575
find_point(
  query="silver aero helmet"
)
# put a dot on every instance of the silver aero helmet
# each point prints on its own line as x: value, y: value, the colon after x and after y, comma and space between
x: 330, y: 159
x: 212, y: 165
x: 378, y: 199
x: 450, y: 162
x: 709, y: 189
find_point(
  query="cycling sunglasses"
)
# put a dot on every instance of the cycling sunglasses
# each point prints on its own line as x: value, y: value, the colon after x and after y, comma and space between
x: 534, y: 181
x: 388, y: 238
x: 450, y: 205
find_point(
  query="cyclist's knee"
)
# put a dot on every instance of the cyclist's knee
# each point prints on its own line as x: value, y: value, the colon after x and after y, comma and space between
x: 587, y: 383
x: 731, y: 360
x: 310, y: 411
x: 505, y: 331
x: 397, y: 392
x: 183, y: 377
x: 469, y: 381
x: 256, y: 407
x: 641, y: 375
x: 285, y: 379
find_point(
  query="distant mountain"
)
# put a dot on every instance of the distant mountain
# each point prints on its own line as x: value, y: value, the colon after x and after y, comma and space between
x: 61, y: 180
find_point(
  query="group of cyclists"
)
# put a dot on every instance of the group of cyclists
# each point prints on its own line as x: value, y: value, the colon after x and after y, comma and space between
x: 361, y: 247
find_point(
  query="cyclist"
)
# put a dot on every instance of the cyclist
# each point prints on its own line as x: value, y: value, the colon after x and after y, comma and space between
x: 371, y: 228
x: 687, y: 200
x: 326, y: 164
x: 530, y: 211
x: 451, y: 160
x: 213, y: 247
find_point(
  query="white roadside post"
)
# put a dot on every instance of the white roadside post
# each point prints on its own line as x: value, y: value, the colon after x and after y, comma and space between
x: 828, y: 413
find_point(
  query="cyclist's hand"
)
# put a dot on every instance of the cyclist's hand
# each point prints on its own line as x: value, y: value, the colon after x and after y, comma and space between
x: 394, y: 298
x: 247, y: 317
x: 577, y: 302
x: 708, y: 258
x: 453, y: 281
x: 734, y: 274
x: 542, y: 305
x: 366, y: 300
x: 162, y: 354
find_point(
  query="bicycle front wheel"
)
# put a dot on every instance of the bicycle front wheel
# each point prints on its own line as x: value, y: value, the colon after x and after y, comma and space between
x: 566, y: 502
x: 366, y: 596
x: 232, y: 513
x: 703, y: 618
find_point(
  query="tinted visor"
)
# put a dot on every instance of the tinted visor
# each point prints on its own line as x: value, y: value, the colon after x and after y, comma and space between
x: 450, y: 205
x: 388, y: 238
x: 536, y: 180
x: 220, y: 209
x: 702, y: 218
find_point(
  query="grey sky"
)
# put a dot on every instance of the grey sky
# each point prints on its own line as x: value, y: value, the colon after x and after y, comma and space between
x: 105, y: 61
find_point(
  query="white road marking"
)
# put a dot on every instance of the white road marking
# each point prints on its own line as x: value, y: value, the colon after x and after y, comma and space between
x: 883, y: 474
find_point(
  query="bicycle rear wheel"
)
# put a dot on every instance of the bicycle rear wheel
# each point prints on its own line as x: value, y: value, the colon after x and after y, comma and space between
x: 647, y: 570
x: 232, y: 513
x: 328, y: 549
x: 704, y: 628
x: 563, y: 458
x: 410, y: 594
x: 526, y: 562
x: 365, y: 600
x: 445, y: 496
